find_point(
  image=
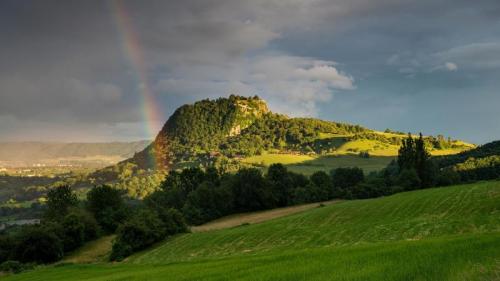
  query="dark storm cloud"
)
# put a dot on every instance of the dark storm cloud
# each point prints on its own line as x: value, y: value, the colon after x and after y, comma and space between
x: 64, y: 66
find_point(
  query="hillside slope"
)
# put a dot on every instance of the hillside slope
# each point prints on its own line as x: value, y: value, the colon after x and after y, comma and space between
x: 413, y: 215
x: 209, y: 132
x: 486, y: 150
x: 400, y: 237
x: 465, y: 258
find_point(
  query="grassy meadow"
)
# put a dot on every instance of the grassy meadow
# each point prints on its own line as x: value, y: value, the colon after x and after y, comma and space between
x: 307, y: 165
x: 450, y: 233
x: 469, y: 257
x: 346, y: 155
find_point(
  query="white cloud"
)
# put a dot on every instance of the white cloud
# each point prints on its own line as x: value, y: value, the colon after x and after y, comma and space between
x: 292, y: 85
x: 451, y: 66
x: 477, y: 56
x: 447, y: 66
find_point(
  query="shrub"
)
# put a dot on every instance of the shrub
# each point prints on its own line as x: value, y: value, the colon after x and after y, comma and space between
x: 74, y: 232
x: 15, y: 266
x: 447, y: 177
x: 408, y: 179
x: 36, y: 244
x: 324, y: 185
x: 120, y: 251
x: 77, y: 227
x: 345, y: 178
x: 136, y: 233
x: 173, y: 221
x: 251, y: 191
x: 107, y: 206
x: 6, y: 247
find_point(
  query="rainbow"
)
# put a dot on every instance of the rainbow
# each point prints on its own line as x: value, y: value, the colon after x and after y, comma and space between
x: 133, y: 51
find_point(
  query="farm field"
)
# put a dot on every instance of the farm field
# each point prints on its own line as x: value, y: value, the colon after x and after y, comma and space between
x: 399, y: 237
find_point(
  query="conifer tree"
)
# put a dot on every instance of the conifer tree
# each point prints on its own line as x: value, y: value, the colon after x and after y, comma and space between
x: 406, y: 154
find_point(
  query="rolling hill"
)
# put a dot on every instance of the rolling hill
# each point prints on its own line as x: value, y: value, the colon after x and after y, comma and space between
x: 235, y: 132
x: 243, y: 131
x: 399, y: 237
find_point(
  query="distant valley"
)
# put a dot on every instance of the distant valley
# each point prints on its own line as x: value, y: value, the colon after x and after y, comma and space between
x: 66, y: 155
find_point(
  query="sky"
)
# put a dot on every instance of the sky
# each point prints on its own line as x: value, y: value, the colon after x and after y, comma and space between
x: 115, y: 70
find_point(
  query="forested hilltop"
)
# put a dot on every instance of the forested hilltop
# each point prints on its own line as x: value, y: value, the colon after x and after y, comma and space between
x: 238, y: 127
x: 235, y: 132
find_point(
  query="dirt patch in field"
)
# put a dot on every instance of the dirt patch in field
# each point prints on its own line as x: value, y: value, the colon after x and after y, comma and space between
x: 255, y: 217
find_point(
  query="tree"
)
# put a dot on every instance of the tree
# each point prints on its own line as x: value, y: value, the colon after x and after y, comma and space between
x: 200, y: 205
x: 281, y: 183
x: 344, y: 179
x: 191, y: 178
x: 447, y: 177
x: 59, y: 200
x: 139, y: 231
x: 413, y: 155
x: 6, y: 247
x: 324, y: 185
x: 74, y: 232
x: 406, y: 154
x: 173, y: 221
x: 107, y: 206
x: 250, y: 190
x: 35, y: 244
x: 409, y: 179
x: 424, y: 167
x: 78, y: 226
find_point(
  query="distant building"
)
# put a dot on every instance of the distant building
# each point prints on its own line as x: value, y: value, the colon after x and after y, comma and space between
x: 19, y: 222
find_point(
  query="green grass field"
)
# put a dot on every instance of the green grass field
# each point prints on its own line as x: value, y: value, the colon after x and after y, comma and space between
x: 307, y: 165
x: 346, y: 155
x: 330, y: 162
x: 268, y: 159
x: 450, y: 233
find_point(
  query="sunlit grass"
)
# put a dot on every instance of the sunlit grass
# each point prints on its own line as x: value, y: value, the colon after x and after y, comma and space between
x: 413, y: 215
x: 268, y: 159
x: 450, y: 233
x: 94, y: 251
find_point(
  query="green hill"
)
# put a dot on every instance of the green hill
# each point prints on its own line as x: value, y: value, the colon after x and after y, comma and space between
x: 235, y: 132
x: 212, y: 132
x: 450, y: 233
x: 481, y: 163
x: 486, y: 150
